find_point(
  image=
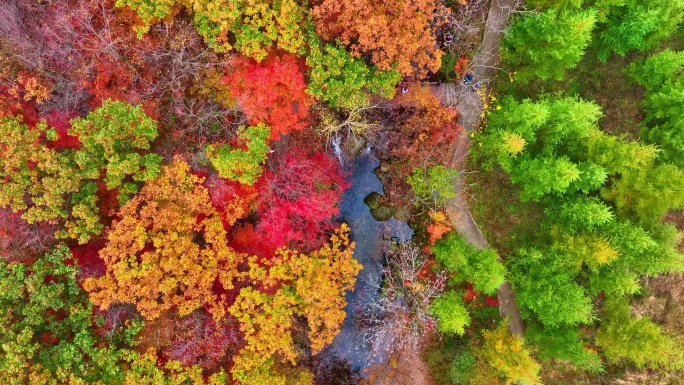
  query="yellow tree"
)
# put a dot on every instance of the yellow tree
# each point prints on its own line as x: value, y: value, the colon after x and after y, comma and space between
x: 59, y: 185
x: 507, y: 355
x: 145, y: 370
x: 36, y: 178
x: 167, y: 250
x: 312, y: 286
x: 41, y: 182
x: 252, y: 27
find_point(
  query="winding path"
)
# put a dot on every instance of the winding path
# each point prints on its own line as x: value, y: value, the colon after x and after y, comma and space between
x: 470, y: 105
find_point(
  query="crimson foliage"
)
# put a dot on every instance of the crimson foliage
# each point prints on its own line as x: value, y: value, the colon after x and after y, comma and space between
x: 298, y: 195
x: 271, y: 92
x: 199, y: 340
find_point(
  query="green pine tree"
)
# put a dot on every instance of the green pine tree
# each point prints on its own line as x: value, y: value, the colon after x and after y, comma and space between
x: 545, y: 45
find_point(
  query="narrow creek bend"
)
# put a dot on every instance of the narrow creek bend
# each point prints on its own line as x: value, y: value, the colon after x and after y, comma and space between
x: 369, y: 236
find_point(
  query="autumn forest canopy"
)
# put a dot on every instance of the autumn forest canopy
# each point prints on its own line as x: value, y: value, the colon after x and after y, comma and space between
x: 209, y: 192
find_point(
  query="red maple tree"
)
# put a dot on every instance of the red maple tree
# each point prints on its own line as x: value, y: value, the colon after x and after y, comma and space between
x: 88, y: 259
x: 59, y: 121
x: 199, y: 340
x: 271, y: 92
x: 230, y: 198
x: 297, y: 198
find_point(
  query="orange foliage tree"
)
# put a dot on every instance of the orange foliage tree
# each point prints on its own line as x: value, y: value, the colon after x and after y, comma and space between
x: 427, y: 132
x: 439, y: 226
x: 428, y: 112
x: 423, y: 139
x: 395, y: 34
x: 167, y: 250
x: 310, y: 285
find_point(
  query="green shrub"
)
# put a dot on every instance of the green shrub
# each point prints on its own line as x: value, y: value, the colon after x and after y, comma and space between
x: 45, y: 301
x: 637, y: 340
x: 545, y: 45
x: 434, y: 185
x: 563, y: 343
x: 639, y: 25
x: 547, y: 289
x: 462, y: 366
x: 342, y: 80
x: 451, y: 313
x: 242, y: 165
x: 482, y: 268
x: 644, y: 196
x: 661, y: 75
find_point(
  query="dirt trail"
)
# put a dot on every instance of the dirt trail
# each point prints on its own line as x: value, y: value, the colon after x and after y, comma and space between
x: 470, y: 106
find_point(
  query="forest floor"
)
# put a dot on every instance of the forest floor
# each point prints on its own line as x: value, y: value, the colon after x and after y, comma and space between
x: 405, y: 367
x: 414, y: 364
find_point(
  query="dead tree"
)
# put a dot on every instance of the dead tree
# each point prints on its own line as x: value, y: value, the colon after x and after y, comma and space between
x: 400, y: 318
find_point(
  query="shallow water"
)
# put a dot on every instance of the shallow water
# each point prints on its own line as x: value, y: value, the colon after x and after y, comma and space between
x: 368, y: 235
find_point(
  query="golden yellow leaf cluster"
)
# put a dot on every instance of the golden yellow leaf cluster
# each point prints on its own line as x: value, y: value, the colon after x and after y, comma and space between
x: 167, y: 249
x: 310, y: 285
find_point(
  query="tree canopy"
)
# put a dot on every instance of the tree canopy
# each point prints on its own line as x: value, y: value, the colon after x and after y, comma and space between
x: 167, y: 250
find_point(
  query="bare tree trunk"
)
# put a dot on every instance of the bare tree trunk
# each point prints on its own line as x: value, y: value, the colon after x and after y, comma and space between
x: 279, y: 150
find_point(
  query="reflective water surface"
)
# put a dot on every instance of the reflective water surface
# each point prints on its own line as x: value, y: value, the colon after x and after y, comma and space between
x: 368, y: 235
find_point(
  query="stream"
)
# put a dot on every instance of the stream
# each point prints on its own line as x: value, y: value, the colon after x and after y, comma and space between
x: 369, y: 235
